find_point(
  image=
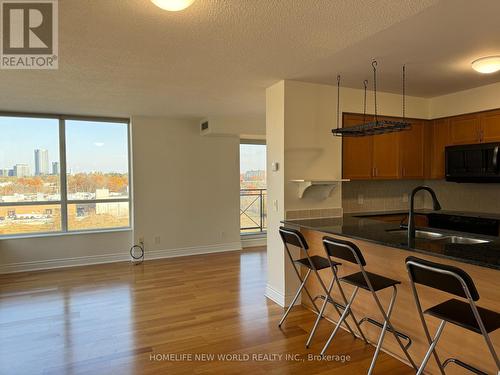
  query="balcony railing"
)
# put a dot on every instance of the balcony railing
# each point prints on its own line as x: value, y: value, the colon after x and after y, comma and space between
x: 253, y: 211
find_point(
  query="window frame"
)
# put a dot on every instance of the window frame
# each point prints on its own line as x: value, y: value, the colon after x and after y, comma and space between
x: 260, y: 142
x: 63, y: 202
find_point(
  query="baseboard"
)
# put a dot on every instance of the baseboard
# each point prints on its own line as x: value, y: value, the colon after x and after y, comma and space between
x: 280, y: 298
x: 112, y: 258
x: 251, y: 241
x: 62, y: 263
x: 196, y: 250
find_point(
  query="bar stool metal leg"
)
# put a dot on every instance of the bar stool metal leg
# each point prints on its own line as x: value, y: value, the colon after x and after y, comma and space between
x: 388, y: 323
x: 483, y: 330
x: 344, y: 298
x: 295, y: 298
x: 432, y: 347
x: 328, y: 296
x: 426, y: 329
x: 384, y: 330
x: 320, y: 315
x: 342, y: 318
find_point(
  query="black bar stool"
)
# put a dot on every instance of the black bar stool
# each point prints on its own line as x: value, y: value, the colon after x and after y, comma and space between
x: 314, y: 264
x: 467, y: 315
x: 370, y: 282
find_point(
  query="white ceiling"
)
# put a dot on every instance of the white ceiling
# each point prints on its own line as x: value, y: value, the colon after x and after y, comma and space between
x: 128, y: 57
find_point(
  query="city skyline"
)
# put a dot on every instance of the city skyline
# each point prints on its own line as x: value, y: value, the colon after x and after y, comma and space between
x: 90, y: 146
x: 252, y: 157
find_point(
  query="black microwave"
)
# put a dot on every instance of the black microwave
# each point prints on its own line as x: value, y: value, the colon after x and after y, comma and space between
x: 473, y: 163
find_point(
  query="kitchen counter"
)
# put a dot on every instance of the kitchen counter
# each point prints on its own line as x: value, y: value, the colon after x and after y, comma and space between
x: 361, y: 226
x: 385, y: 253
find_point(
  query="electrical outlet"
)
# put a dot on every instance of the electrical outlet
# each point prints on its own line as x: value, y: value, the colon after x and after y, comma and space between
x: 222, y: 235
x: 404, y: 198
x: 275, y: 205
x: 361, y: 199
x: 157, y: 240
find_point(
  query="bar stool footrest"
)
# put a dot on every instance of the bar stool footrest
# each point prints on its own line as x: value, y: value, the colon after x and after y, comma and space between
x: 321, y: 296
x: 380, y: 325
x: 463, y: 365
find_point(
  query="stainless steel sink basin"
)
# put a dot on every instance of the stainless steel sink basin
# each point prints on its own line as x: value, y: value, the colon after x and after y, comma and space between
x: 429, y: 235
x: 424, y: 234
x: 464, y: 240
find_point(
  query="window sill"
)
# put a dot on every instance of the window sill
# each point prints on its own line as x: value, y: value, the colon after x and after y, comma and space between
x: 254, y: 235
x: 60, y: 234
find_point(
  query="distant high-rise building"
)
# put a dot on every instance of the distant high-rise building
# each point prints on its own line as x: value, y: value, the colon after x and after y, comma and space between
x: 255, y: 175
x: 41, y: 162
x: 21, y: 170
x: 55, y: 168
x: 4, y: 172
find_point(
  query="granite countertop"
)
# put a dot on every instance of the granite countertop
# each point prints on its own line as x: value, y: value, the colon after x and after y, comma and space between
x: 360, y: 226
x: 482, y: 215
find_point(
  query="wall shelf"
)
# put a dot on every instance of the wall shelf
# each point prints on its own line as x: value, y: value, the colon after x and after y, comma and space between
x: 323, y: 187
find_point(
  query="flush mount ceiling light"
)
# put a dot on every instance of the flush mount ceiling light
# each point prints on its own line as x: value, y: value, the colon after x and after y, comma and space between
x: 490, y: 64
x: 172, y: 5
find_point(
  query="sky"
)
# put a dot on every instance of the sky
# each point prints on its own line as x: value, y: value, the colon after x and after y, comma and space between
x: 90, y: 146
x: 252, y: 157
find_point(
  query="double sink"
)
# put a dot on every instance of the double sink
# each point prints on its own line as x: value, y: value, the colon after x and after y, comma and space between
x: 441, y: 237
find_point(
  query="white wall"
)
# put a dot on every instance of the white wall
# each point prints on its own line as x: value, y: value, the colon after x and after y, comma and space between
x: 467, y: 101
x: 299, y: 119
x: 275, y: 137
x: 246, y: 127
x: 24, y: 254
x: 186, y: 188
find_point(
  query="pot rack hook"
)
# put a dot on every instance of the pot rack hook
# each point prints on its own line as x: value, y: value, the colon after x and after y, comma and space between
x: 338, y: 99
x: 374, y: 66
x: 365, y: 84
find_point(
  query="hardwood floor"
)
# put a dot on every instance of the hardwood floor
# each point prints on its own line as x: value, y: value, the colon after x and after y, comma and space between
x: 148, y: 319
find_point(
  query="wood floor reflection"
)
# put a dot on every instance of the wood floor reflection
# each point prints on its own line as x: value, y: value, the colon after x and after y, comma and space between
x: 156, y: 318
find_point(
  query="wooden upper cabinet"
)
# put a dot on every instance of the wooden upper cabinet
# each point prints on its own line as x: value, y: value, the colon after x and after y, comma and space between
x: 440, y: 138
x: 418, y: 153
x: 464, y: 129
x: 490, y: 126
x: 356, y: 152
x: 386, y: 155
x: 411, y: 151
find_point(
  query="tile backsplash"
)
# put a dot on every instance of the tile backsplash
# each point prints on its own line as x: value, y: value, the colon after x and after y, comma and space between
x: 368, y: 196
x: 313, y: 213
x: 466, y: 197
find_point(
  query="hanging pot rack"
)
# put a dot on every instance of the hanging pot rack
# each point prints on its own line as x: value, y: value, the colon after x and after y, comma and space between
x: 377, y: 126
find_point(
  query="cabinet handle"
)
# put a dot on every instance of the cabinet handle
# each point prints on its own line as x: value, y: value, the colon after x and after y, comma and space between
x: 374, y: 171
x: 404, y: 171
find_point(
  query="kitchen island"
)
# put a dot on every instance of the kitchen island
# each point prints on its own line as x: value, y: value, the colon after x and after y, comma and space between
x: 385, y: 248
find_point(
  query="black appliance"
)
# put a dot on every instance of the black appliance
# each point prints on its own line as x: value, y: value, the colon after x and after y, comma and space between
x: 473, y: 163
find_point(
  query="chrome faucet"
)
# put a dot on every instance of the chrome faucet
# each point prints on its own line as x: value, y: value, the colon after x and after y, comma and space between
x: 411, y: 214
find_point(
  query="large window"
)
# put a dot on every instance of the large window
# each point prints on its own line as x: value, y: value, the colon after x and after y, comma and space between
x: 60, y: 174
x: 253, y: 191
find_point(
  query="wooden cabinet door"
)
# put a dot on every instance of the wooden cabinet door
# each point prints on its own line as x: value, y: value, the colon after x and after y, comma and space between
x: 440, y: 138
x: 411, y: 151
x: 490, y: 126
x: 356, y: 152
x: 464, y: 129
x: 386, y: 156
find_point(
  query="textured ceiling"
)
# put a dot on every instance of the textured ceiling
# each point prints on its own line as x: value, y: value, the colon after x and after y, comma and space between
x: 128, y: 57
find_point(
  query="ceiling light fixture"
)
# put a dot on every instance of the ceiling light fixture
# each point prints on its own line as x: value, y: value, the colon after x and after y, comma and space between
x: 490, y: 64
x: 172, y: 5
